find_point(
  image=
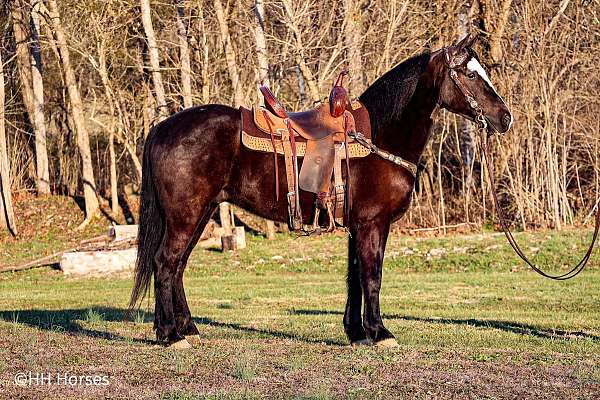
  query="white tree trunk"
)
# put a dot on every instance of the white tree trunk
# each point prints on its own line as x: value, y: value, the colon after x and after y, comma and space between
x: 184, y: 55
x: 261, y: 42
x: 41, y: 149
x: 203, y: 58
x: 7, y: 217
x: 159, y: 89
x: 83, y: 141
x: 238, y: 95
x: 262, y: 56
x: 353, y: 37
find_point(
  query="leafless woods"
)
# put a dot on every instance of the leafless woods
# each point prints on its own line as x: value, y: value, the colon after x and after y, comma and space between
x: 85, y: 81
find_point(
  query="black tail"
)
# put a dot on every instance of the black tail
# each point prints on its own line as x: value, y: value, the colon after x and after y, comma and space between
x: 150, y: 233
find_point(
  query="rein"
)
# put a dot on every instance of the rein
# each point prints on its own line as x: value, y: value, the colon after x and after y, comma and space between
x: 482, y: 126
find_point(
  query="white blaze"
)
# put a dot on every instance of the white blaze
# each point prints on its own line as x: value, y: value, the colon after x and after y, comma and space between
x: 474, y: 66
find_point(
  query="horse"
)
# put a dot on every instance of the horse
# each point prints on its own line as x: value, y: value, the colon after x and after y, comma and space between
x: 195, y: 160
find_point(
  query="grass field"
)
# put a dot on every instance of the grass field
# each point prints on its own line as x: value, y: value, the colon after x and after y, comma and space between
x: 471, y: 322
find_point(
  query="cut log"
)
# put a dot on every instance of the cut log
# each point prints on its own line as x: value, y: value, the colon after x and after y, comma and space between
x: 240, y: 235
x: 228, y: 243
x: 123, y: 232
x: 98, y: 263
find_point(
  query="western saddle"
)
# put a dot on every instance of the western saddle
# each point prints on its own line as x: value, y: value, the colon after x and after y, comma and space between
x: 320, y: 137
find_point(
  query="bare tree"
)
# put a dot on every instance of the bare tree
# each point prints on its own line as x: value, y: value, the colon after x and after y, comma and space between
x: 159, y: 89
x: 7, y: 217
x: 83, y: 141
x: 238, y: 95
x: 202, y: 54
x: 41, y: 149
x: 353, y: 37
x: 292, y: 24
x: 184, y: 55
x: 263, y: 69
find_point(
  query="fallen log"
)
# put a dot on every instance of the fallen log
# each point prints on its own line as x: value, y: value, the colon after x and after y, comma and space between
x: 98, y: 263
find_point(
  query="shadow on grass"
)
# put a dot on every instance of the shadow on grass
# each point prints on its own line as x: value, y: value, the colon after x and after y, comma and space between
x: 264, y: 332
x: 507, y: 326
x: 70, y: 321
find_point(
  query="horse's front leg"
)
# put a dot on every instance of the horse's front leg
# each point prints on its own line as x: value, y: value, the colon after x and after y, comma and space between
x: 371, y: 239
x: 353, y: 325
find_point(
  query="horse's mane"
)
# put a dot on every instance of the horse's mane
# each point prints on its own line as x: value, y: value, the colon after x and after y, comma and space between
x: 387, y: 97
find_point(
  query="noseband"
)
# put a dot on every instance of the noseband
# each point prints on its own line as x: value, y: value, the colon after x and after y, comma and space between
x: 453, y: 65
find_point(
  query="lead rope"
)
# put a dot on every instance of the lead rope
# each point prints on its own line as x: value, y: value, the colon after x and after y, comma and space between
x: 482, y: 125
x: 509, y: 236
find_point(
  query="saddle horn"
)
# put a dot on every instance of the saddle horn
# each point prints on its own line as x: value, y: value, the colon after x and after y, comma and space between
x: 338, y: 99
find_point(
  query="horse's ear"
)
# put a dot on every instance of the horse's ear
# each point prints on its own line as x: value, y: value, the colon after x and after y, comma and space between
x: 467, y: 42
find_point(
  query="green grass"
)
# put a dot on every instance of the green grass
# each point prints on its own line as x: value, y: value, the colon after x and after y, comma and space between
x: 470, y: 320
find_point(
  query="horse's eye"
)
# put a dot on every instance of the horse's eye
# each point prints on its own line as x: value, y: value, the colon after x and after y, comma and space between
x: 471, y: 75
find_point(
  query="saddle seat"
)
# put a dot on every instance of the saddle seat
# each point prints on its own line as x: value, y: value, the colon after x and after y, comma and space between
x: 313, y: 124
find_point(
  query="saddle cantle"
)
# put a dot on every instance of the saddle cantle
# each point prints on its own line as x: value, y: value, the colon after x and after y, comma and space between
x: 320, y: 137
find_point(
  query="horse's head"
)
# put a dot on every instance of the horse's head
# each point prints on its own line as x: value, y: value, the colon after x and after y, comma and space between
x: 467, y: 90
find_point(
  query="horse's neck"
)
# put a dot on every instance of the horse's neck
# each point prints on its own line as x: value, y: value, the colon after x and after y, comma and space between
x: 409, y: 134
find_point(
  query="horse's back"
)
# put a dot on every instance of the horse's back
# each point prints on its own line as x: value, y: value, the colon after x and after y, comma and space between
x: 191, y: 152
x: 197, y: 124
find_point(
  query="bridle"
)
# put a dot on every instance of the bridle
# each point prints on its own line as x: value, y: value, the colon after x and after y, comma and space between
x: 453, y: 64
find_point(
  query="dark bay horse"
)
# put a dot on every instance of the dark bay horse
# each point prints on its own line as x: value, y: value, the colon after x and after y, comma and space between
x: 195, y: 159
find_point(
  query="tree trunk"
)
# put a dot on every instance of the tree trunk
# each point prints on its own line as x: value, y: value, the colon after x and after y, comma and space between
x: 114, y: 197
x: 313, y: 87
x: 7, y: 217
x: 496, y: 36
x: 238, y: 95
x: 83, y: 141
x: 41, y: 149
x: 184, y: 55
x: 263, y: 70
x: 465, y: 130
x: 261, y: 42
x: 203, y: 59
x: 159, y: 89
x: 353, y: 37
x: 22, y: 57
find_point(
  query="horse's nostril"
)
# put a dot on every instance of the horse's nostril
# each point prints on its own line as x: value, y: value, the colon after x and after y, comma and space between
x: 507, y: 120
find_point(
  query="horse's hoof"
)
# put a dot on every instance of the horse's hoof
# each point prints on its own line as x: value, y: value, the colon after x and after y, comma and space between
x: 193, y: 339
x: 362, y: 342
x: 390, y: 342
x: 180, y: 345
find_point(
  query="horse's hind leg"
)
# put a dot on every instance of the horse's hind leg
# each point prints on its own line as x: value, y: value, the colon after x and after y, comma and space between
x: 183, y: 317
x: 167, y: 260
x: 172, y: 315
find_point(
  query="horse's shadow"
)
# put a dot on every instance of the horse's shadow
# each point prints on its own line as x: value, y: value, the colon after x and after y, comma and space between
x: 507, y: 326
x: 70, y: 321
